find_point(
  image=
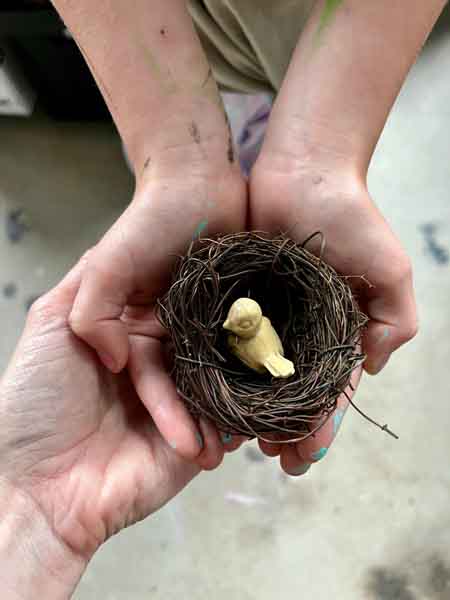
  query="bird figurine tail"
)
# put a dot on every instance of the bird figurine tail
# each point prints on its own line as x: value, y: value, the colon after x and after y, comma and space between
x: 278, y: 366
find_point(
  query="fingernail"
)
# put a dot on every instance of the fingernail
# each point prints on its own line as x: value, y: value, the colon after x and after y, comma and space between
x: 227, y: 438
x: 300, y: 470
x: 108, y: 361
x: 376, y: 366
x: 337, y: 420
x: 319, y: 454
x: 199, y: 438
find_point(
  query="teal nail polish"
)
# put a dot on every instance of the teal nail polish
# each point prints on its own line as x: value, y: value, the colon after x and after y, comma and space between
x: 320, y: 454
x: 300, y: 470
x: 227, y: 438
x: 337, y: 420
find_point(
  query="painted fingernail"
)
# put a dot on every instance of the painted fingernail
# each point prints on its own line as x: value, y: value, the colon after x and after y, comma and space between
x: 319, y: 454
x: 337, y: 420
x: 200, y: 441
x: 108, y: 361
x: 227, y: 438
x: 300, y: 470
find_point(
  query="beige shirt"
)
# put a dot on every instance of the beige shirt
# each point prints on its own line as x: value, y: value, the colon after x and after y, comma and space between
x: 249, y: 43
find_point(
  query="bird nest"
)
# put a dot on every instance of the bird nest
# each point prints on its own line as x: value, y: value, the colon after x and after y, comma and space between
x: 311, y: 307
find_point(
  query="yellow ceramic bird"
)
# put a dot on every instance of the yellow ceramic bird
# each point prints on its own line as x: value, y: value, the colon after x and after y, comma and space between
x: 254, y: 341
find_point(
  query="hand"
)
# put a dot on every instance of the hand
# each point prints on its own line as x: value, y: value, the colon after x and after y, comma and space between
x: 175, y: 202
x: 79, y: 453
x: 288, y: 196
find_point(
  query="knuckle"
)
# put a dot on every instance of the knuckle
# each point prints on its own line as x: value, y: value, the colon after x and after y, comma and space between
x: 408, y: 331
x: 41, y: 308
x: 78, y: 323
x: 400, y: 268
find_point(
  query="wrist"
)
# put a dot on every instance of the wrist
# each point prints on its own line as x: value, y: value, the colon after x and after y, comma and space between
x: 191, y: 136
x: 315, y: 145
x: 34, y: 563
x: 315, y: 170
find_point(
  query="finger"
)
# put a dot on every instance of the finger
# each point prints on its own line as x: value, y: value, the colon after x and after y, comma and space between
x: 212, y: 452
x: 142, y: 320
x: 107, y: 282
x: 232, y: 442
x: 393, y: 322
x: 268, y: 448
x: 64, y: 293
x: 291, y: 463
x: 315, y: 448
x: 158, y: 393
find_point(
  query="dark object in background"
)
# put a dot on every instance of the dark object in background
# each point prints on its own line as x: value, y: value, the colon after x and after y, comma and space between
x: 51, y: 61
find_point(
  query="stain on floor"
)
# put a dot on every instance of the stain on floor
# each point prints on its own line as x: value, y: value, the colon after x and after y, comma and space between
x: 16, y: 225
x: 388, y: 584
x: 437, y: 251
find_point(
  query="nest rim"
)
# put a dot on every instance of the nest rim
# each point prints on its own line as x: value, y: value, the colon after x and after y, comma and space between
x: 320, y: 330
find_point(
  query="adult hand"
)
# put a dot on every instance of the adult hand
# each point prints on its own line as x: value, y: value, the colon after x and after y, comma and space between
x: 289, y: 195
x: 80, y: 457
x: 176, y: 200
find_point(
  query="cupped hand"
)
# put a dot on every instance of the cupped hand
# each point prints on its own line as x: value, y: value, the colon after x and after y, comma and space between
x: 131, y: 266
x: 286, y: 195
x: 76, y: 439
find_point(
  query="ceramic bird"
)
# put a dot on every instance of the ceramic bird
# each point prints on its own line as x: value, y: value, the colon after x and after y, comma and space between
x: 254, y: 341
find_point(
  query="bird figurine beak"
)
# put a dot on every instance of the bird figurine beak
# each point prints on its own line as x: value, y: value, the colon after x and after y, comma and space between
x: 226, y: 325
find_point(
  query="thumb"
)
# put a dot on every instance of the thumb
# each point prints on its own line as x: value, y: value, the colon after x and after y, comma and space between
x: 106, y: 284
x: 393, y: 318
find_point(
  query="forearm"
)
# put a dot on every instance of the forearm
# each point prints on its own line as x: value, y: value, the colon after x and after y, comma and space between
x: 154, y: 76
x: 33, y: 562
x: 344, y: 78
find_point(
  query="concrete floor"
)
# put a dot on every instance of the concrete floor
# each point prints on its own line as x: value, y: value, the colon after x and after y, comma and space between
x: 372, y: 521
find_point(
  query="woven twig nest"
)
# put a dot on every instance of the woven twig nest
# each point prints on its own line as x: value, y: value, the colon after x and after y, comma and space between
x: 310, y: 306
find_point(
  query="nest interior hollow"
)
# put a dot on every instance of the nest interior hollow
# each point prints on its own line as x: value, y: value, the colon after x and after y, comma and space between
x: 312, y: 309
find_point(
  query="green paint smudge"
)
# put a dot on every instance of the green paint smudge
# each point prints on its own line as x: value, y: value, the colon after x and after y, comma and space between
x: 200, y: 228
x: 327, y: 14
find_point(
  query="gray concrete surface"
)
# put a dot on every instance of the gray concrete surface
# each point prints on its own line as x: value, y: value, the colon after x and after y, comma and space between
x: 372, y: 521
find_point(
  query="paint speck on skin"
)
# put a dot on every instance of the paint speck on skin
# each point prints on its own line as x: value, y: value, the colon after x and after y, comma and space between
x: 9, y: 290
x: 163, y: 31
x: 200, y: 228
x: 147, y: 163
x: 319, y: 454
x: 195, y: 133
x: 230, y: 151
x: 173, y: 444
x: 337, y: 420
x: 16, y: 225
x: 317, y: 179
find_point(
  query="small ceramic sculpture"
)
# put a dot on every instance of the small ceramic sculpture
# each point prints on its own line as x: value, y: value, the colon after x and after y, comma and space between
x: 254, y: 341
